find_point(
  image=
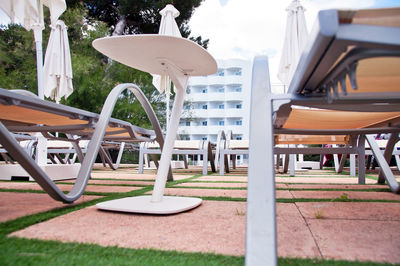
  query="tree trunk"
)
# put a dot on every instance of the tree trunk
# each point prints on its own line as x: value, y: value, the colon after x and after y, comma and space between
x: 120, y: 27
x: 118, y: 30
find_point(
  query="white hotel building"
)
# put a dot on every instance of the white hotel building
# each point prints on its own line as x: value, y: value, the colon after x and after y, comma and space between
x: 218, y: 102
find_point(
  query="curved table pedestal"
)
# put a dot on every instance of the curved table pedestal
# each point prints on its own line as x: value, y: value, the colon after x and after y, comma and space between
x: 162, y: 55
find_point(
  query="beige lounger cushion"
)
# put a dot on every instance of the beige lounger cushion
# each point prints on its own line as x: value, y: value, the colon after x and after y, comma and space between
x: 328, y: 119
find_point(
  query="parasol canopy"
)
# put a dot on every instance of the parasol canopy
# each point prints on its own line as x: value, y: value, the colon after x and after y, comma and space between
x: 295, y: 39
x: 57, y: 65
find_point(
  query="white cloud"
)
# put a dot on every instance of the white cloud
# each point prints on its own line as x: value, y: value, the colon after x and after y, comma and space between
x: 243, y: 29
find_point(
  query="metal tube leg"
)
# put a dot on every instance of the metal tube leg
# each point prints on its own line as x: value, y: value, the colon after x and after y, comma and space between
x: 391, y: 180
x: 352, y: 165
x: 205, y: 163
x: 141, y: 157
x: 221, y: 163
x: 292, y: 164
x: 166, y: 155
x: 361, y: 160
x: 261, y: 248
x: 388, y: 154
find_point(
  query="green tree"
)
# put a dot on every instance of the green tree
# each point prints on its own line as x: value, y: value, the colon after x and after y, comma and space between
x: 17, y: 59
x: 140, y: 16
x: 93, y: 75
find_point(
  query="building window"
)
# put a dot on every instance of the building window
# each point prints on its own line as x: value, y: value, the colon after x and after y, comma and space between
x: 221, y: 123
x: 238, y: 106
x: 187, y: 107
x: 204, y: 138
x: 204, y: 123
x: 238, y: 122
x: 238, y: 72
x: 221, y: 90
x: 203, y: 90
x: 238, y: 138
x: 204, y: 107
x: 220, y: 72
x: 238, y: 89
x: 188, y: 90
x: 187, y: 123
x: 221, y: 106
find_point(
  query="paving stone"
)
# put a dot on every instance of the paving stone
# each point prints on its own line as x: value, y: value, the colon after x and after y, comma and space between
x: 374, y: 211
x: 362, y: 240
x: 362, y: 195
x: 14, y: 205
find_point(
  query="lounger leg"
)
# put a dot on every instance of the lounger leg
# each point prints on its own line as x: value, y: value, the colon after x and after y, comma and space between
x: 261, y: 246
x: 221, y: 162
x: 352, y: 165
x: 120, y: 152
x: 342, y: 162
x: 226, y: 163
x: 210, y: 158
x: 205, y: 163
x: 292, y: 164
x: 394, y: 138
x: 361, y: 160
x: 321, y: 161
x: 286, y: 163
x: 278, y: 158
x: 397, y: 158
x: 391, y: 180
x: 336, y: 160
x: 141, y: 159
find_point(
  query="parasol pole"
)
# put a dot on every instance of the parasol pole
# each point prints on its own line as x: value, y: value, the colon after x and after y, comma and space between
x: 37, y: 31
x: 41, y: 147
x: 167, y: 109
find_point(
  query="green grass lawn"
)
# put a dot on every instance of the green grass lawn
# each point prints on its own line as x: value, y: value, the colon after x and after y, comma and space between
x: 18, y: 251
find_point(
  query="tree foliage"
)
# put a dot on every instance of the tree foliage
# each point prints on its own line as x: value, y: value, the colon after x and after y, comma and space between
x: 141, y: 16
x: 93, y: 75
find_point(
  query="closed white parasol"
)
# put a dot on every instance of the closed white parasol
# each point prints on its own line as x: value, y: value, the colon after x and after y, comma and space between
x: 30, y: 14
x: 168, y: 27
x: 57, y: 65
x: 295, y: 40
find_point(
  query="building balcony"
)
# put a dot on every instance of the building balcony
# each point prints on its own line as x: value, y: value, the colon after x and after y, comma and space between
x: 233, y: 80
x: 237, y: 130
x: 234, y: 96
x: 199, y: 113
x: 198, y: 81
x: 216, y: 97
x: 216, y: 80
x: 216, y: 113
x: 212, y: 130
x: 232, y: 112
x: 193, y: 130
x: 198, y: 97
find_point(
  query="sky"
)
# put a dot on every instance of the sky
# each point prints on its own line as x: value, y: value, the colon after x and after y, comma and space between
x: 244, y: 29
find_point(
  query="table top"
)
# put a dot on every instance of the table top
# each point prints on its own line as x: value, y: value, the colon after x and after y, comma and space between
x: 146, y: 52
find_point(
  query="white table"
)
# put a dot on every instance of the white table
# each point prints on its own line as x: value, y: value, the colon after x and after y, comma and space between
x: 178, y: 58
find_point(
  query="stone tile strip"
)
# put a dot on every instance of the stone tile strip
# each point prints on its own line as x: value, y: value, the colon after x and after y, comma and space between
x: 14, y: 205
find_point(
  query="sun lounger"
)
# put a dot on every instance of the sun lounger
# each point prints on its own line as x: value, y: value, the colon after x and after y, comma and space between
x: 382, y: 144
x: 26, y: 141
x: 63, y: 152
x: 351, y: 63
x: 181, y: 147
x: 21, y: 113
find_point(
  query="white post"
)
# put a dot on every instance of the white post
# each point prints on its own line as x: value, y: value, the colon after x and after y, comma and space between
x: 167, y: 110
x: 37, y: 32
x: 41, y: 150
x: 166, y: 155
